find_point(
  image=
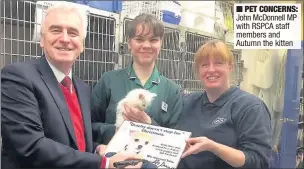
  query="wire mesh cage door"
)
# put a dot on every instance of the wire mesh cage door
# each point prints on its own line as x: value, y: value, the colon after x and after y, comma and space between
x: 100, y: 54
x: 134, y: 8
x: 192, y: 41
x: 20, y: 28
x: 18, y: 24
x: 169, y: 58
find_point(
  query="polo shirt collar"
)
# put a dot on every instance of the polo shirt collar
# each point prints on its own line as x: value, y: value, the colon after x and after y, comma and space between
x: 155, y: 77
x: 222, y: 99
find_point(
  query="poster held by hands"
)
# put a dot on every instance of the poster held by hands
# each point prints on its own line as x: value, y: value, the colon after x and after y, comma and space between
x: 158, y: 145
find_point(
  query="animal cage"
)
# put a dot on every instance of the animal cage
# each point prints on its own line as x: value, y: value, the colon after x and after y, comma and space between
x: 105, y: 45
x: 19, y: 22
x: 134, y: 8
x: 100, y: 54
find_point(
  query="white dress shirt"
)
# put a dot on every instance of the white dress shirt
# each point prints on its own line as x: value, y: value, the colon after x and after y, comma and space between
x: 58, y: 74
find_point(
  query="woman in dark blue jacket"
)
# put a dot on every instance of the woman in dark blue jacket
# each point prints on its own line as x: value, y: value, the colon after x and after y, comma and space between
x: 230, y: 127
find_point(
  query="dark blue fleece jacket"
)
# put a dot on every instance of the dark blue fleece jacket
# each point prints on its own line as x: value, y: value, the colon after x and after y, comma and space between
x: 236, y: 119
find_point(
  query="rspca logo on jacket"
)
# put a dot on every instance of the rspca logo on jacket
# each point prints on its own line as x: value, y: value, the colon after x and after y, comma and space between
x: 218, y: 121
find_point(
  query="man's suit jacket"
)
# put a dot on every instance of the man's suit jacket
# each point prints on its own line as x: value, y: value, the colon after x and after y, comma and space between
x: 37, y: 130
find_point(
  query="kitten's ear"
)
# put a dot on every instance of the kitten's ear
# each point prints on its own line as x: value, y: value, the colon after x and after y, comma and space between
x: 141, y: 96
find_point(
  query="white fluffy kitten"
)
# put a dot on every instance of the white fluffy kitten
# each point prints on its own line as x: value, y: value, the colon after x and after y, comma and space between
x: 138, y: 98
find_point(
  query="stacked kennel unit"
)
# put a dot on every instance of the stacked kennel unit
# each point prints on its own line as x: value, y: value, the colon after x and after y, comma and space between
x: 105, y: 45
x: 18, y: 42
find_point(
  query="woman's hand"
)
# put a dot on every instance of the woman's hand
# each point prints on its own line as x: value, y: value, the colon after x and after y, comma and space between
x: 196, y: 145
x: 187, y: 147
x: 232, y: 156
x: 134, y: 114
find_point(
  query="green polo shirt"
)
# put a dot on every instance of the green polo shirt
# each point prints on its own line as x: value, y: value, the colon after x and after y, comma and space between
x: 114, y: 85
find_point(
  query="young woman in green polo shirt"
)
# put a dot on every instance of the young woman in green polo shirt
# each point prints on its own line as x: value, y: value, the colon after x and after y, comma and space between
x: 145, y: 35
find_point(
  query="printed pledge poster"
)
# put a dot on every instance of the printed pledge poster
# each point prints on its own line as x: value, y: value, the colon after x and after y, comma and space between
x: 161, y: 146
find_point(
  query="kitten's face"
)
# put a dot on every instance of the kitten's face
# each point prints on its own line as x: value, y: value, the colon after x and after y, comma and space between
x: 142, y: 98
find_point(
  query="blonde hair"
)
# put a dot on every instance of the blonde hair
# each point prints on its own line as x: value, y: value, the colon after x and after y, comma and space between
x: 213, y: 49
x: 82, y: 13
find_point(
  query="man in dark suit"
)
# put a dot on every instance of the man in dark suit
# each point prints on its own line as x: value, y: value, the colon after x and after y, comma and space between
x: 45, y: 120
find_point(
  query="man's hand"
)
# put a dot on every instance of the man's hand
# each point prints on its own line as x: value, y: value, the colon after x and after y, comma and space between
x: 122, y: 157
x: 196, y: 145
x: 134, y: 114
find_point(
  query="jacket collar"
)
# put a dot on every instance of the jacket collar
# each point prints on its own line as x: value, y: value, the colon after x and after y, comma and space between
x: 221, y: 100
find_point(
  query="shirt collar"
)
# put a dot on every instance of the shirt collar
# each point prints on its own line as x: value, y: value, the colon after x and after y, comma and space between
x: 58, y: 74
x: 155, y: 77
x: 221, y: 100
